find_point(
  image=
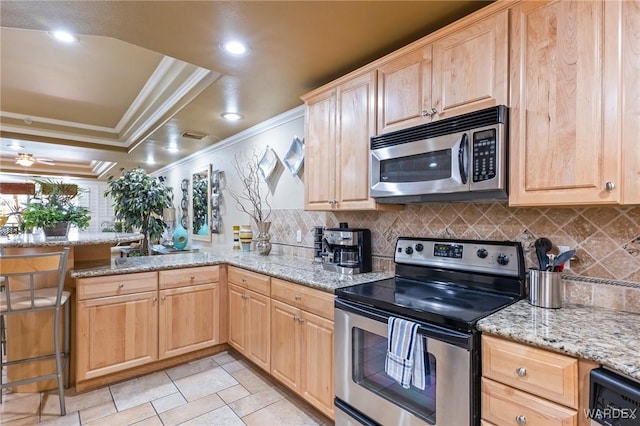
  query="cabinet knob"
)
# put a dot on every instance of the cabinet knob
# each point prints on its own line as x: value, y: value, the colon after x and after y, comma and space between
x: 425, y: 113
x: 120, y: 285
x: 155, y: 299
x: 300, y: 320
x: 296, y: 297
x: 433, y: 112
x: 521, y: 371
x: 192, y: 277
x: 521, y: 420
x: 295, y: 318
x: 163, y: 298
x: 244, y: 280
x: 609, y: 186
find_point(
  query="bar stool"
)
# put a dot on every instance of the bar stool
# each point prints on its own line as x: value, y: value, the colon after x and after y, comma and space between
x: 20, y: 275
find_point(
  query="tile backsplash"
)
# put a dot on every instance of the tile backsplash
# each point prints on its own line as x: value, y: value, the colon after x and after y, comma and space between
x: 606, y: 239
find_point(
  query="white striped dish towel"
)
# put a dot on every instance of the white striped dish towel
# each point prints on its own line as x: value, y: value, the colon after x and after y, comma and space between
x: 405, y: 353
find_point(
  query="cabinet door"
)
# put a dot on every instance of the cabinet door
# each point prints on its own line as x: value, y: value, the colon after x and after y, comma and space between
x: 116, y: 333
x: 258, y: 329
x: 355, y: 126
x: 404, y: 91
x: 237, y: 319
x: 470, y: 68
x: 285, y: 344
x: 317, y: 362
x: 320, y: 152
x: 189, y: 319
x: 560, y: 153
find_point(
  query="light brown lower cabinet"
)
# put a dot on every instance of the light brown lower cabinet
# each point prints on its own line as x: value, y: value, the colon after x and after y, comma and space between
x: 522, y: 385
x: 302, y: 342
x: 249, y: 311
x: 125, y: 321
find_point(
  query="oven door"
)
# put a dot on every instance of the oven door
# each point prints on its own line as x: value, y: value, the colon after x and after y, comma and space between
x: 363, y: 386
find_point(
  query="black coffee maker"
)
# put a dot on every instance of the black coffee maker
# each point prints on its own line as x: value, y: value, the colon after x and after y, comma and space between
x: 346, y: 250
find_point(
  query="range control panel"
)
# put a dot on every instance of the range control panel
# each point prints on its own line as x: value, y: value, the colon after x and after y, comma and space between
x: 493, y: 257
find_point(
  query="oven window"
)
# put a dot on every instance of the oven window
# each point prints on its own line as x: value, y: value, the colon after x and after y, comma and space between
x: 435, y: 165
x: 369, y: 352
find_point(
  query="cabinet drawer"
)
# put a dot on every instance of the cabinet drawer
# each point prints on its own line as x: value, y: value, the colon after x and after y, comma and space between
x: 315, y: 301
x: 537, y: 371
x: 251, y: 280
x: 504, y: 405
x: 189, y: 276
x: 115, y: 285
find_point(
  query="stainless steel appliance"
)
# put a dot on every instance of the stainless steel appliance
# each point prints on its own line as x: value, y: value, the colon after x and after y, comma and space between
x: 445, y: 286
x: 613, y: 399
x: 346, y: 250
x: 455, y: 159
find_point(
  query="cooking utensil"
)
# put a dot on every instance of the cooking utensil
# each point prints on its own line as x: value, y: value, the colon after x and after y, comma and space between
x: 563, y: 257
x: 542, y: 245
x: 550, y: 258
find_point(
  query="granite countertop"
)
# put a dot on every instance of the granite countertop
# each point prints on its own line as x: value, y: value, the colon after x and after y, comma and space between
x: 609, y: 337
x: 75, y: 238
x: 301, y: 271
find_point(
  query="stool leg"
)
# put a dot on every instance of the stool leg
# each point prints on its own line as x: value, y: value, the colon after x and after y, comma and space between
x: 67, y: 342
x: 56, y: 346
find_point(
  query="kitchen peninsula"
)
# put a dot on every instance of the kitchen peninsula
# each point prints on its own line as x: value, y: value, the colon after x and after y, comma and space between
x: 25, y: 334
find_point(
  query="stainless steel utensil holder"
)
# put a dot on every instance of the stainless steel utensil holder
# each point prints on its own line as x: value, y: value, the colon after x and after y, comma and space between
x: 545, y: 288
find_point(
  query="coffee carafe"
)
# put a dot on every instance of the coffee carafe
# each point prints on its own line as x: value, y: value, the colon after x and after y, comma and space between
x: 346, y: 250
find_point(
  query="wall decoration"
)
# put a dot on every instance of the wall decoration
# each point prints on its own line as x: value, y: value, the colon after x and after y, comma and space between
x: 216, y: 219
x: 268, y: 163
x: 184, y: 204
x: 294, y: 158
x: 201, y: 204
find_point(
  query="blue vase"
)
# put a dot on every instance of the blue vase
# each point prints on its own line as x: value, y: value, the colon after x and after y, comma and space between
x: 180, y: 237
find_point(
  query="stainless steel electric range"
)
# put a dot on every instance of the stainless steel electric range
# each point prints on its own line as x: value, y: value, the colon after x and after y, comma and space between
x: 445, y: 286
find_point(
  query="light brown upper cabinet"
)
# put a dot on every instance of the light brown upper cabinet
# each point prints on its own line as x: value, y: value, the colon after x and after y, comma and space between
x: 464, y: 70
x: 575, y: 110
x: 340, y: 121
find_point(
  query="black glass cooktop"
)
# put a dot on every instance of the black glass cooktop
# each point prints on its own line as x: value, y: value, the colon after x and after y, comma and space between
x: 442, y: 303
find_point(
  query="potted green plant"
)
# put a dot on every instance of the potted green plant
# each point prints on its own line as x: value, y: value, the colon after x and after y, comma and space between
x: 139, y: 200
x: 54, y: 209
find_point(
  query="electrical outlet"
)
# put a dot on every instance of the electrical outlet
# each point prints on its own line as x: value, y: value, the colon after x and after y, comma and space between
x: 562, y: 249
x: 299, y: 236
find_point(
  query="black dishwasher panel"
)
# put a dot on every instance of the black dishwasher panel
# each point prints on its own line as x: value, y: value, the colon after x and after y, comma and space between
x: 614, y: 400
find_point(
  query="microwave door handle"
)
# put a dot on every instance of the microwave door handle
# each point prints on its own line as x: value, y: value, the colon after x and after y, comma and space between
x: 462, y: 164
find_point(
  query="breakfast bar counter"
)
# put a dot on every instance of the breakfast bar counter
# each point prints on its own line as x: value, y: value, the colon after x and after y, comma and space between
x: 25, y: 335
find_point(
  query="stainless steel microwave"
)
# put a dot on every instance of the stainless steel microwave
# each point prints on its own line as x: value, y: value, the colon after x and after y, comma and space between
x: 462, y: 158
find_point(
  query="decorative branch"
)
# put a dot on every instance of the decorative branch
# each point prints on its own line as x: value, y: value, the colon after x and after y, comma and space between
x: 250, y: 199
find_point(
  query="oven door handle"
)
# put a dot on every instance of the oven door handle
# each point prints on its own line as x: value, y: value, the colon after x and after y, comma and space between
x: 462, y: 164
x: 453, y: 337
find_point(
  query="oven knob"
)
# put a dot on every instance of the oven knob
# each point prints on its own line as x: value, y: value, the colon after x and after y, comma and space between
x: 408, y: 250
x: 482, y: 253
x: 503, y: 259
x: 419, y: 247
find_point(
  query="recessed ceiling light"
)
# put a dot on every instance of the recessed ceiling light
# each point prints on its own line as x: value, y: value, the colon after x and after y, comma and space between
x: 231, y: 116
x: 64, y: 36
x: 15, y: 145
x: 235, y: 48
x: 172, y: 148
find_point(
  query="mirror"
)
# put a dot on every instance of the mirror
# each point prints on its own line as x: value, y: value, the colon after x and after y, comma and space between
x: 200, y: 206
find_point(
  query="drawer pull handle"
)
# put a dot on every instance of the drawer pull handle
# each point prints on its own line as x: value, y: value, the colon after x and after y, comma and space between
x: 244, y: 280
x: 521, y: 371
x: 163, y: 298
x: 297, y: 297
x: 192, y: 277
x: 300, y: 320
x: 295, y: 318
x: 521, y: 420
x: 120, y: 285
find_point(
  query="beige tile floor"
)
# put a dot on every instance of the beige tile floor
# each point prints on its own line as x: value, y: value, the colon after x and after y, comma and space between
x: 220, y: 390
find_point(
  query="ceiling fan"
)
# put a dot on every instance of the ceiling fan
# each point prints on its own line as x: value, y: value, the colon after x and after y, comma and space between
x: 27, y: 160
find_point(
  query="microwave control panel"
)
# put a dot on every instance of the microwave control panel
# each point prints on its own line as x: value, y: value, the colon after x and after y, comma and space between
x: 484, y: 155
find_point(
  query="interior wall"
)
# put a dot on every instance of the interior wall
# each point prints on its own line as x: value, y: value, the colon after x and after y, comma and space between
x: 285, y: 191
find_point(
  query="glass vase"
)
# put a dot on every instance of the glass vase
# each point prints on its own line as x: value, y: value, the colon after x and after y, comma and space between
x: 263, y: 243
